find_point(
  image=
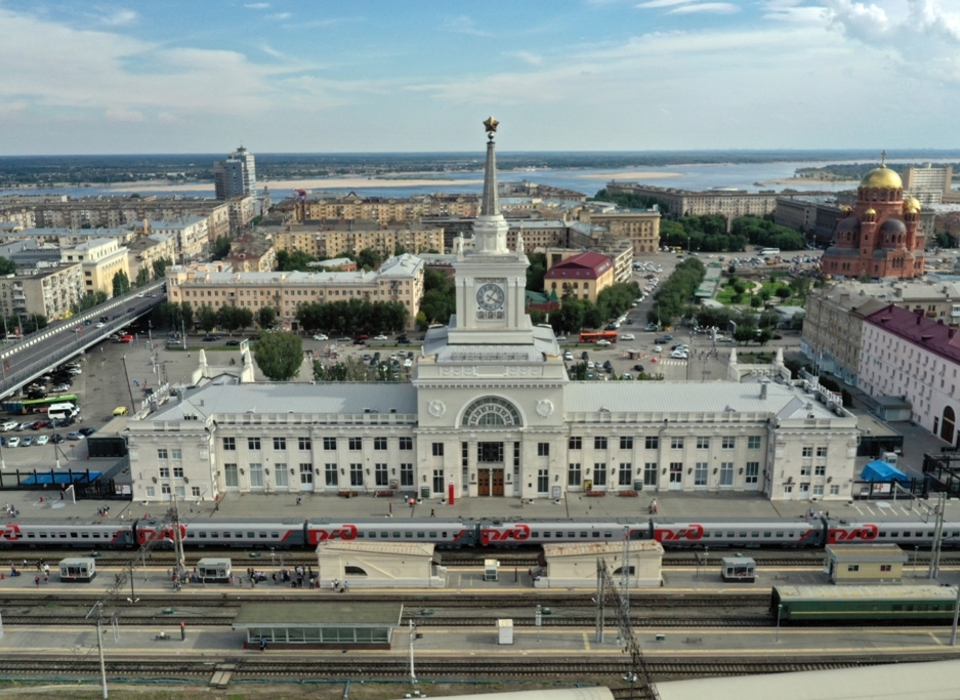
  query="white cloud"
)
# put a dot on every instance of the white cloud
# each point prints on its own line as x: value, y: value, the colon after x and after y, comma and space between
x: 120, y: 18
x: 463, y: 25
x: 257, y: 5
x: 532, y: 58
x: 124, y: 115
x: 660, y: 3
x: 270, y: 51
x: 280, y: 16
x: 724, y: 8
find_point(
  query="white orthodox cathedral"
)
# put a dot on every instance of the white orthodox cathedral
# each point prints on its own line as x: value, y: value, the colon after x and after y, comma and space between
x: 491, y: 412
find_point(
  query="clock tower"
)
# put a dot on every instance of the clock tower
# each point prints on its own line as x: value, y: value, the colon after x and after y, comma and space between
x: 490, y: 383
x: 491, y: 279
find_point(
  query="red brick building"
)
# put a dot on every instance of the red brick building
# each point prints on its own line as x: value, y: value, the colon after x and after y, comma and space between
x: 879, y: 236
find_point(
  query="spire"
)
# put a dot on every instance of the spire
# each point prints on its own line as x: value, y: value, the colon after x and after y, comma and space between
x: 490, y: 204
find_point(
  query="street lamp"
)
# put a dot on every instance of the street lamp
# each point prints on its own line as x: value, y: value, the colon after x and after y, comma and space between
x: 779, y: 610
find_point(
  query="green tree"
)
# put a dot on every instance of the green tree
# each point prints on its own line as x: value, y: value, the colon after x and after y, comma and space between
x: 369, y: 259
x: 206, y: 318
x: 28, y: 323
x: 221, y: 248
x: 121, y: 283
x: 266, y: 316
x: 160, y: 268
x: 399, y: 249
x: 278, y: 354
x: 783, y: 292
x: 233, y: 318
x: 143, y: 277
x: 7, y: 266
x: 536, y: 271
x: 297, y: 261
x: 756, y: 302
x: 88, y: 301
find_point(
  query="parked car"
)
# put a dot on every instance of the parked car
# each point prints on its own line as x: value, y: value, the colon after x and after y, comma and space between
x: 627, y: 336
x: 43, y: 440
x: 380, y: 337
x: 211, y: 338
x: 568, y: 356
x: 13, y: 442
x: 60, y: 387
x: 9, y: 425
x: 320, y: 336
x: 657, y: 348
x: 87, y: 432
x: 650, y: 327
x: 26, y: 425
x: 408, y: 363
x: 663, y: 339
x: 120, y: 411
x: 125, y: 338
x: 27, y: 441
x: 57, y: 438
x: 74, y: 435
x: 38, y: 425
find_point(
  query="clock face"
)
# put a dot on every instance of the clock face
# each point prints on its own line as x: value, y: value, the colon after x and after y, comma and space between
x: 490, y: 297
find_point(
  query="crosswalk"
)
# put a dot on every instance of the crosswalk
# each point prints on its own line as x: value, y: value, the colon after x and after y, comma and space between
x: 669, y: 362
x: 888, y: 509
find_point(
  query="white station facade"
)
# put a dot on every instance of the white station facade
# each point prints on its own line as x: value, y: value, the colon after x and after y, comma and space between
x: 491, y: 412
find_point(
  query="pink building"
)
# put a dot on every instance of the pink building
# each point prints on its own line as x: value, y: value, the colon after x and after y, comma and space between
x: 905, y: 354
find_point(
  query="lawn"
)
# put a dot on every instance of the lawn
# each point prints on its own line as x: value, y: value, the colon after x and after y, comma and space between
x: 727, y: 293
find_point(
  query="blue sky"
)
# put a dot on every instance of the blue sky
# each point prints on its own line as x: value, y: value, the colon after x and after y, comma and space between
x: 177, y: 76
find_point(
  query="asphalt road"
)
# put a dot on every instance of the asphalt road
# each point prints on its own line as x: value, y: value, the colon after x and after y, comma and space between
x: 39, y: 351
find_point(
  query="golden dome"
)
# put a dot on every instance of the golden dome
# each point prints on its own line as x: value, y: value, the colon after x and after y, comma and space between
x: 846, y: 209
x: 870, y: 212
x: 882, y: 178
x: 911, y: 205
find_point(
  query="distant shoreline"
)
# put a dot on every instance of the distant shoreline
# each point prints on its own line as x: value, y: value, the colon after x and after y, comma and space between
x: 805, y: 180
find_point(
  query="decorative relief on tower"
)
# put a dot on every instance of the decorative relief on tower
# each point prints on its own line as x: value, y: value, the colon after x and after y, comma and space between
x: 522, y: 371
x: 458, y: 372
x: 436, y: 409
x: 544, y: 408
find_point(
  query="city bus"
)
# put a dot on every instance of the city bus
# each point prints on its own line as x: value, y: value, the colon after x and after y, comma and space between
x: 22, y: 406
x: 769, y: 251
x: 588, y: 337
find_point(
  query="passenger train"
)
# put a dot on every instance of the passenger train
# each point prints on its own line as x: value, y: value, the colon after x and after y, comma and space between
x: 459, y: 533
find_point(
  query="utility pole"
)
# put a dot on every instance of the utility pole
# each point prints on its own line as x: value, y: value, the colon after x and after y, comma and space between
x: 938, y: 513
x: 103, y: 666
x: 177, y: 534
x: 413, y: 636
x: 600, y: 593
x: 956, y: 618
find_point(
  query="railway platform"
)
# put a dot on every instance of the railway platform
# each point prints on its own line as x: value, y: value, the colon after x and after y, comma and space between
x: 48, y: 504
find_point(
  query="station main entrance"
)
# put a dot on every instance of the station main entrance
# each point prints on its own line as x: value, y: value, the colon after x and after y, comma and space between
x: 490, y: 469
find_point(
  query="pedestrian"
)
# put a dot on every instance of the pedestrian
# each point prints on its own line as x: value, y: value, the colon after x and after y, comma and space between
x: 263, y: 643
x: 37, y: 581
x: 298, y: 500
x: 346, y: 586
x: 432, y: 513
x: 46, y: 578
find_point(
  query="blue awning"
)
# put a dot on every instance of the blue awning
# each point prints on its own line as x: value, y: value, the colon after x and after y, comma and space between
x: 878, y: 470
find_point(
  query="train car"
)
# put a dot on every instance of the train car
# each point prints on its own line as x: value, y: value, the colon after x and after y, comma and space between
x: 443, y: 532
x: 906, y: 533
x: 246, y: 533
x: 96, y: 534
x: 78, y: 569
x: 505, y: 533
x: 863, y: 603
x: 782, y: 534
x: 147, y: 530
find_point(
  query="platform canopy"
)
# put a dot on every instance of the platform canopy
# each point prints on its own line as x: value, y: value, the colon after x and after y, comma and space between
x: 880, y: 471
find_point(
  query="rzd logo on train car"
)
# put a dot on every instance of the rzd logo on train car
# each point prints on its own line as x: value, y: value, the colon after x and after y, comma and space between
x: 148, y: 534
x: 693, y: 532
x: 519, y: 533
x: 346, y: 532
x: 12, y: 532
x: 864, y: 532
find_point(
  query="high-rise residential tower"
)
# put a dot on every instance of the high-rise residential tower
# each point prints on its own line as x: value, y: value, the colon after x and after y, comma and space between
x: 235, y: 176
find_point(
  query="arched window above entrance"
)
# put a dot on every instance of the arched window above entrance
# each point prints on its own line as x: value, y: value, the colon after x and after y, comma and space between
x: 491, y: 412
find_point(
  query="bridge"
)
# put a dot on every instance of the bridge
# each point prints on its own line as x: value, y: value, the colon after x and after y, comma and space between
x: 37, y: 353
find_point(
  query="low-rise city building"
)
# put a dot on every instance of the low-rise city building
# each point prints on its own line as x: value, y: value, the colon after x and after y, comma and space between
x: 907, y: 355
x: 101, y: 259
x: 191, y: 236
x: 399, y: 279
x: 50, y: 291
x: 640, y: 227
x: 579, y: 276
x: 252, y: 253
x: 833, y: 326
x: 144, y: 251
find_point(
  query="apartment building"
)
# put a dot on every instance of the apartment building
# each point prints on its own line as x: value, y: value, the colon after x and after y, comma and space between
x: 145, y: 250
x: 101, y: 259
x: 252, y: 253
x: 337, y: 238
x: 907, y: 355
x: 190, y: 234
x: 47, y: 291
x: 640, y: 227
x: 121, y: 212
x: 833, y: 326
x: 399, y: 279
x: 387, y: 210
x: 235, y: 176
x: 928, y: 184
x: 815, y: 217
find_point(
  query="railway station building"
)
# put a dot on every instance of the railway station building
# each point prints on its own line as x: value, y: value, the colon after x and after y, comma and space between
x: 491, y: 412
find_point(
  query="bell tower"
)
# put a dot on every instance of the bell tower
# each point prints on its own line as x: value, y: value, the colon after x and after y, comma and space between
x: 491, y: 279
